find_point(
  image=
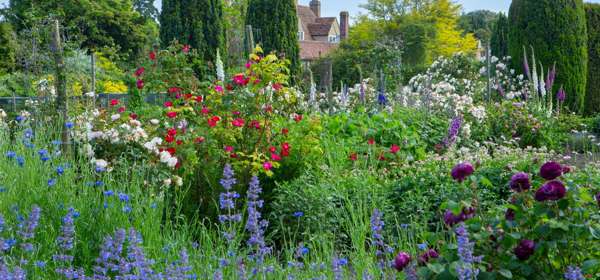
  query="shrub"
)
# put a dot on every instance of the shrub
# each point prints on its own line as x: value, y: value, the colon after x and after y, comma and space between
x: 592, y: 99
x: 556, y: 30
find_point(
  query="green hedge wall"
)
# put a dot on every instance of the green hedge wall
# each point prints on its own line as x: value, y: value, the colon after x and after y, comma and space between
x: 557, y: 30
x: 592, y: 99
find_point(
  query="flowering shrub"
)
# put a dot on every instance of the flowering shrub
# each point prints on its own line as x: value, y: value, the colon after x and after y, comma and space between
x: 531, y: 235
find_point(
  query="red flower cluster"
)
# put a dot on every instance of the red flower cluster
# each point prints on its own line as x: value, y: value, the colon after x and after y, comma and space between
x: 241, y: 80
x: 213, y: 121
x: 238, y: 122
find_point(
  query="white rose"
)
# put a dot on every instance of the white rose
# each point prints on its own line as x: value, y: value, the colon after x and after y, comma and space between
x: 102, y: 164
x: 115, y: 117
x: 172, y: 162
x: 154, y: 121
x: 164, y: 156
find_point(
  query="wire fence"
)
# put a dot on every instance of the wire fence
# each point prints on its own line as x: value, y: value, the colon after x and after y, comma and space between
x: 18, y: 103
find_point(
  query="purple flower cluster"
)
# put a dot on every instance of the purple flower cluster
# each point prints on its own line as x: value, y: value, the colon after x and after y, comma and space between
x: 378, y: 242
x: 227, y: 201
x: 255, y: 225
x: 453, y: 131
x: 525, y: 249
x: 451, y: 219
x: 467, y: 269
x: 520, y: 182
x: 27, y: 229
x: 552, y: 190
x: 574, y: 273
x: 461, y: 171
x: 66, y: 242
x: 401, y: 261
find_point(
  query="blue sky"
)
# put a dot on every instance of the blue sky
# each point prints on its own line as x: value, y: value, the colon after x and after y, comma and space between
x: 333, y: 7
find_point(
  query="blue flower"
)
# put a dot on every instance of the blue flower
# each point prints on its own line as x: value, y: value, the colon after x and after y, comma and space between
x: 127, y: 209
x: 56, y: 142
x: 123, y: 197
x: 304, y: 250
x: 51, y: 182
x: 60, y: 170
x: 20, y: 161
x: 20, y: 118
x: 11, y: 154
x: 40, y: 264
x: 298, y: 214
x: 422, y: 246
x: 2, y: 189
x: 109, y: 193
x: 69, y: 125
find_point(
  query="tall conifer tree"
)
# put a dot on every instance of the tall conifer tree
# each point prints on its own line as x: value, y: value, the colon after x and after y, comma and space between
x: 278, y: 25
x: 557, y: 31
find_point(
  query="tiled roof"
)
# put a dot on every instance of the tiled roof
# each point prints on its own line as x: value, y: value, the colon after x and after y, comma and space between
x: 312, y: 50
x: 321, y: 27
x: 306, y: 16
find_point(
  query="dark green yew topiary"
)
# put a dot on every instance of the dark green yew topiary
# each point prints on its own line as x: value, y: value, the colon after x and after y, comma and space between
x: 556, y: 29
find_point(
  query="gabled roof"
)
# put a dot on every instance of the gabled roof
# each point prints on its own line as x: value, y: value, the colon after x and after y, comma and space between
x: 306, y: 16
x: 322, y: 26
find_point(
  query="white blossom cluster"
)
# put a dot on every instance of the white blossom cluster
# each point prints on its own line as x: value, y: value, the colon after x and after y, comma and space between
x: 505, y: 83
x: 446, y: 87
x: 341, y: 101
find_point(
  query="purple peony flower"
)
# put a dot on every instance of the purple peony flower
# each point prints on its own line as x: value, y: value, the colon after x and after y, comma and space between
x: 401, y: 261
x: 461, y: 171
x: 427, y: 256
x: 525, y: 249
x: 551, y: 170
x: 520, y: 182
x: 553, y: 190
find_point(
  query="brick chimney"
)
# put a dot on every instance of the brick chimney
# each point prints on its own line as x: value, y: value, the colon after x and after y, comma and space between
x: 344, y: 25
x: 315, y: 6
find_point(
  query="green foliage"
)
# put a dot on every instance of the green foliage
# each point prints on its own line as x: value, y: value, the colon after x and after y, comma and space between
x: 479, y: 23
x: 8, y: 46
x: 198, y: 23
x: 562, y: 40
x: 146, y: 8
x: 277, y: 23
x: 499, y: 40
x: 592, y: 98
x: 94, y: 24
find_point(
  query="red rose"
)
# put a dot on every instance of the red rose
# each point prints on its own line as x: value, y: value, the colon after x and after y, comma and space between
x: 168, y: 104
x: 238, y: 122
x: 152, y: 55
x: 121, y: 109
x: 353, y: 157
x: 140, y: 71
x: 139, y: 84
x: 186, y: 49
x: 172, y: 131
x: 172, y: 114
x: 199, y: 140
x: 298, y: 118
x: 114, y: 102
x: 394, y: 149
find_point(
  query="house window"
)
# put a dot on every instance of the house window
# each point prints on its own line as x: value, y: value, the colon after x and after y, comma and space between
x: 333, y: 39
x: 301, y: 35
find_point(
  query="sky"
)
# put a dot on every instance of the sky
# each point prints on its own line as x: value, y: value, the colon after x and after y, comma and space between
x: 333, y: 7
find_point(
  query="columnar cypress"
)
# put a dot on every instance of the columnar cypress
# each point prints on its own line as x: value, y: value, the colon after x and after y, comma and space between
x: 557, y: 30
x: 278, y: 25
x: 592, y: 99
x: 171, y: 25
x: 198, y: 23
x: 499, y: 40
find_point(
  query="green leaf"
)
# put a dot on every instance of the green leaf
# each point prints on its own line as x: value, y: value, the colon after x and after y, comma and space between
x: 436, y: 268
x: 590, y: 266
x: 505, y: 273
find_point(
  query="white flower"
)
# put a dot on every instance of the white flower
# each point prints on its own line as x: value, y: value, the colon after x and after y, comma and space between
x: 154, y: 121
x: 172, y: 162
x: 115, y: 117
x: 178, y: 181
x: 2, y: 114
x: 101, y: 164
x: 167, y: 182
x: 90, y: 94
x: 164, y: 156
x: 88, y: 150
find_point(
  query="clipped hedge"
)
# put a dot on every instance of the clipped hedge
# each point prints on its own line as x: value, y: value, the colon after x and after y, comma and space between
x: 592, y: 98
x: 556, y: 29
